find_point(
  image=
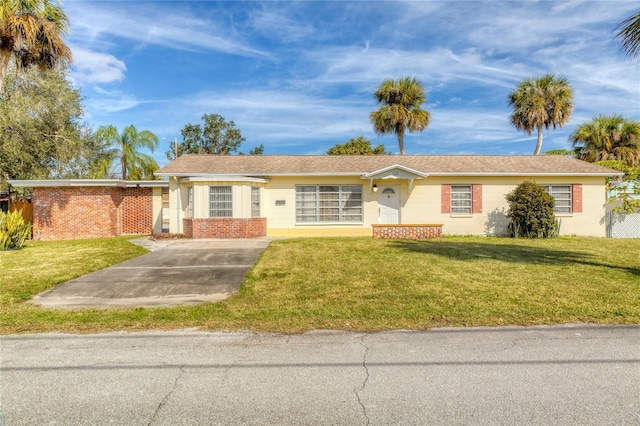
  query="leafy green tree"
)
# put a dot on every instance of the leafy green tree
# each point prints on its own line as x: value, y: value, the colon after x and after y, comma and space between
x: 31, y: 31
x: 629, y: 35
x: 401, y: 108
x: 565, y: 152
x: 42, y: 134
x: 257, y: 150
x: 531, y: 212
x: 541, y: 102
x: 93, y: 159
x: 608, y: 137
x: 622, y: 198
x: 356, y: 146
x: 124, y: 152
x: 215, y: 136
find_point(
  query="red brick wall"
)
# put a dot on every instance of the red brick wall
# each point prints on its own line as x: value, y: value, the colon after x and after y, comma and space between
x: 65, y: 213
x: 137, y: 211
x: 187, y: 227
x: 408, y: 232
x: 254, y: 227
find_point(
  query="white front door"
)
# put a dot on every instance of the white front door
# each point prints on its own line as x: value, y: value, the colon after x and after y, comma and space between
x: 389, y: 205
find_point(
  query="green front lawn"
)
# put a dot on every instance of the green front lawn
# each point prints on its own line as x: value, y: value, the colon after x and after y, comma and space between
x: 356, y: 284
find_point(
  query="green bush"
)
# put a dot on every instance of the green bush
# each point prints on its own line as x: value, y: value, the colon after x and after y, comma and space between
x: 13, y: 231
x: 531, y: 212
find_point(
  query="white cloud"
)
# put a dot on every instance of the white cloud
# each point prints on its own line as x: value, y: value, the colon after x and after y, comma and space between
x: 95, y: 67
x: 283, y: 118
x: 325, y: 59
x: 274, y: 22
x: 110, y: 101
x: 149, y: 23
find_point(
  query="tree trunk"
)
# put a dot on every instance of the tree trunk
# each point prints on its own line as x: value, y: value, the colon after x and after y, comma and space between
x: 124, y: 165
x: 539, y: 143
x: 401, y: 142
x: 5, y: 56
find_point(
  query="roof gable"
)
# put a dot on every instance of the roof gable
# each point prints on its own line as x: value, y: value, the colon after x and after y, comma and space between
x: 395, y: 171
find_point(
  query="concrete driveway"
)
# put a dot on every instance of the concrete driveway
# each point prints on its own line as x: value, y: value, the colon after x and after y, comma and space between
x: 175, y: 272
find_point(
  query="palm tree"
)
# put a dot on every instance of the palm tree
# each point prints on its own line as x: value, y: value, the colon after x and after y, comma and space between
x: 31, y: 31
x: 545, y: 101
x: 629, y: 35
x: 400, y: 111
x: 133, y: 165
x: 608, y: 137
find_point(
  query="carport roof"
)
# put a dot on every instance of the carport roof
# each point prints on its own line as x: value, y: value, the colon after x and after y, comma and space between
x: 358, y: 165
x: 41, y: 183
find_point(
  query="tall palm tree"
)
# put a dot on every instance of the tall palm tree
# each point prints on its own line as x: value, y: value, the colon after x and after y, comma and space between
x: 545, y: 101
x: 32, y: 32
x: 133, y: 164
x: 629, y: 35
x: 401, y: 110
x: 608, y: 137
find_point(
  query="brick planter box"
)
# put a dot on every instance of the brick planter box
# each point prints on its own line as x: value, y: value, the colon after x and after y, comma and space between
x: 254, y: 227
x: 408, y: 232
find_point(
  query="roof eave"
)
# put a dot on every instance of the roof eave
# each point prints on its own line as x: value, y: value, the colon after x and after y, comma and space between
x: 224, y: 178
x: 515, y: 174
x: 54, y: 183
x: 365, y: 174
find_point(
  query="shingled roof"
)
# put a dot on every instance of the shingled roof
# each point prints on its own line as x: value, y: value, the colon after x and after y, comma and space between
x: 356, y: 165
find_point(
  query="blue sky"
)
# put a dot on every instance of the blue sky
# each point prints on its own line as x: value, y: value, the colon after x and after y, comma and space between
x: 299, y: 77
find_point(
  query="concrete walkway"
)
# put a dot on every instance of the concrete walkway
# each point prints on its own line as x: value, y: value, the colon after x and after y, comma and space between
x: 175, y: 272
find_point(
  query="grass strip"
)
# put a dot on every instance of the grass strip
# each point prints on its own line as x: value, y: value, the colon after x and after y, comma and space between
x: 355, y: 284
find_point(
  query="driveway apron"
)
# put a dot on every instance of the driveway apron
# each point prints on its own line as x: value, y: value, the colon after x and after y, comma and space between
x: 176, y: 272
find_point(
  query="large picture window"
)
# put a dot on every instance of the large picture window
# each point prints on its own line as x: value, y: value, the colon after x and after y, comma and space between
x: 220, y: 201
x: 461, y: 200
x: 562, y: 195
x: 328, y: 203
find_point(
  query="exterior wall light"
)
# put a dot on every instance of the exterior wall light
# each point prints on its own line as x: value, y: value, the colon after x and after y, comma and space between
x: 375, y: 188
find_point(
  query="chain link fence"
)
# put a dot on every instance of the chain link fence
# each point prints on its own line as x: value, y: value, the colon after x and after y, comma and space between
x: 623, y: 225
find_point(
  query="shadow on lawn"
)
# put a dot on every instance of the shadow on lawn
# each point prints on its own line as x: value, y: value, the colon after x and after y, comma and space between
x: 516, y: 253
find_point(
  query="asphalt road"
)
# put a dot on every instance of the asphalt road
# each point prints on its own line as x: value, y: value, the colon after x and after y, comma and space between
x: 567, y: 375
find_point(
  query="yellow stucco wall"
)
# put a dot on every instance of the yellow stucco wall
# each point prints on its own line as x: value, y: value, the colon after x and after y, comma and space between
x: 424, y: 205
x: 157, y: 210
x: 175, y: 212
x: 281, y: 217
x: 421, y: 205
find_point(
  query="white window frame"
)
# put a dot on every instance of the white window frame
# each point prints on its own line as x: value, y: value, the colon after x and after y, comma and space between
x: 189, y: 211
x: 255, y: 201
x: 563, y: 197
x: 461, y: 200
x: 220, y: 201
x: 329, y: 204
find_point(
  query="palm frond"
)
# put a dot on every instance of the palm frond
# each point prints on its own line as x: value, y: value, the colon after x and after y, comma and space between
x: 629, y: 35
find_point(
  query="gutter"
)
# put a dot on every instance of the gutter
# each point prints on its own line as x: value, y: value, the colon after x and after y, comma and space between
x: 52, y: 183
